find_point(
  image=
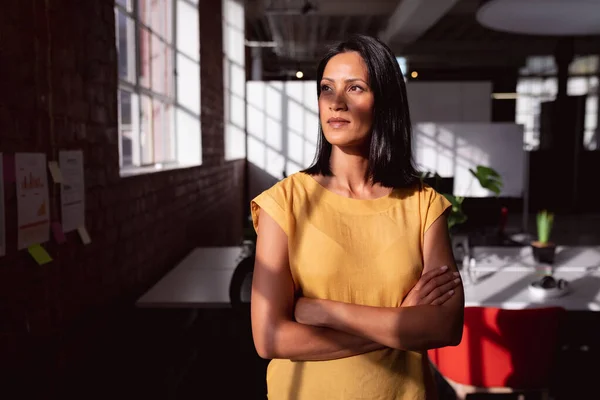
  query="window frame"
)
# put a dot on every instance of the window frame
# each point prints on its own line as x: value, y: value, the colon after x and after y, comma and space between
x: 132, y: 84
x: 545, y: 73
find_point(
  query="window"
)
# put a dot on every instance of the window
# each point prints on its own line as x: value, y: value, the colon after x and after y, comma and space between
x: 158, y: 46
x: 538, y: 83
x: 234, y: 79
x: 533, y: 91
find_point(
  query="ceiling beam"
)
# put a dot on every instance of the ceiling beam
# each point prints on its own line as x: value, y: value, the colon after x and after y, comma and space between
x: 412, y: 18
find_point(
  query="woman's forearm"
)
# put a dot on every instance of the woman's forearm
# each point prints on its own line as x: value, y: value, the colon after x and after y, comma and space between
x: 298, y: 342
x: 409, y: 328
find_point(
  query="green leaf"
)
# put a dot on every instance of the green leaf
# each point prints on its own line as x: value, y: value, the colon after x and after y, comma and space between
x: 456, y: 216
x: 488, y: 178
x: 544, y: 221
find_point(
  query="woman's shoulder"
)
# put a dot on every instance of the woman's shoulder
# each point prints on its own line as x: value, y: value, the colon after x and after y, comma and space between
x: 416, y: 191
x: 285, y: 188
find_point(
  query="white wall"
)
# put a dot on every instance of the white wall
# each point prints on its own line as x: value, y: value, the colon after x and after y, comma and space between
x: 450, y: 149
x: 449, y: 101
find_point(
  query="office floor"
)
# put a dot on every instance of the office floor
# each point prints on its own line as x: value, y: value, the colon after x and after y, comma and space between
x: 181, y: 355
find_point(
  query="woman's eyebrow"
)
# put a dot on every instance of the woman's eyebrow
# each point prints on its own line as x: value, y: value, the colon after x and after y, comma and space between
x: 347, y: 80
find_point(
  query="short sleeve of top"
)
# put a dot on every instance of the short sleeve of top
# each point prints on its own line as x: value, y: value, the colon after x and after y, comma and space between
x: 433, y: 205
x: 275, y: 202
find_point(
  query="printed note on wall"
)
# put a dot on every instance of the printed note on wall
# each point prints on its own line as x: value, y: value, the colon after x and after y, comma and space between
x: 72, y: 190
x: 33, y: 208
x: 2, y: 215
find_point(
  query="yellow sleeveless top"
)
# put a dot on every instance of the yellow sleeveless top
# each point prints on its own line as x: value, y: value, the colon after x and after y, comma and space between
x: 367, y: 252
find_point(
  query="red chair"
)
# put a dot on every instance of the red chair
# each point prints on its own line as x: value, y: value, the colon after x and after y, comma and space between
x: 502, y: 351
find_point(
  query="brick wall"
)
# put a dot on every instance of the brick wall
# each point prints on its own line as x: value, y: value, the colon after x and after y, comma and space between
x: 58, y: 91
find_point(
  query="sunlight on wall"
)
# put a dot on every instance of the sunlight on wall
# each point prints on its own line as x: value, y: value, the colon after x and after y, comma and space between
x: 282, y: 125
x: 452, y: 149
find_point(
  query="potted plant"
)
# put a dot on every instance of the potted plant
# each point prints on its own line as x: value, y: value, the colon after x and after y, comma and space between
x: 543, y: 249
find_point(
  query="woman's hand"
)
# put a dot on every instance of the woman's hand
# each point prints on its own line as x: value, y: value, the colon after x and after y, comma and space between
x: 310, y: 311
x: 434, y: 288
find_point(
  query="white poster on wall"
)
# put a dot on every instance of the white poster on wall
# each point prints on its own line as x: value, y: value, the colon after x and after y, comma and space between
x: 32, y: 199
x: 72, y: 190
x: 2, y: 218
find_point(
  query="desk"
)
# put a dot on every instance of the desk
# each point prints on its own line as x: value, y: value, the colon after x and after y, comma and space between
x: 509, y: 289
x: 504, y: 273
x: 200, y: 280
x: 567, y: 257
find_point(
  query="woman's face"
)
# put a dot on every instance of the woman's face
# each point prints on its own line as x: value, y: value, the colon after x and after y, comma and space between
x: 346, y: 101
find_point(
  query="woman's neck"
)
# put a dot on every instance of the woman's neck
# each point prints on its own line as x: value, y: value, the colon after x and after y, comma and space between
x: 350, y: 169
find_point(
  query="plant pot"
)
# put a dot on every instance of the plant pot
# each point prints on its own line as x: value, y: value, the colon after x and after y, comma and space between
x: 543, y: 252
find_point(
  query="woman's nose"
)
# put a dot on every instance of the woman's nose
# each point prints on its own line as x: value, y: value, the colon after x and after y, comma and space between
x: 338, y: 104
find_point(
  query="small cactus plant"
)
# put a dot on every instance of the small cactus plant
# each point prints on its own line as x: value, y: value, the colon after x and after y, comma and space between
x: 545, y: 220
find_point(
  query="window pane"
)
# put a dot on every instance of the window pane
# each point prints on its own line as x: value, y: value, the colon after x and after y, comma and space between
x: 125, y: 46
x: 127, y: 132
x: 146, y: 131
x: 237, y: 111
x: 238, y: 80
x: 189, y: 145
x: 577, y: 86
x: 234, y: 14
x: 125, y: 3
x: 235, y: 45
x: 157, y: 15
x: 145, y: 57
x: 164, y: 135
x: 161, y: 67
x: 591, y: 112
x: 188, y: 83
x: 188, y: 30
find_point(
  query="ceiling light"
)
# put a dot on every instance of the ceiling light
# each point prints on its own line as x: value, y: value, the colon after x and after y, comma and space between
x: 414, y: 74
x: 542, y: 17
x: 299, y: 74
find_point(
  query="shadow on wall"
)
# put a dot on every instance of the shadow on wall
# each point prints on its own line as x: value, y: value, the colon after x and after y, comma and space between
x: 282, y: 126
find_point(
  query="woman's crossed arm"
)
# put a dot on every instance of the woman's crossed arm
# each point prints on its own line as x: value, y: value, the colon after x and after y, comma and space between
x: 278, y: 334
x: 416, y: 328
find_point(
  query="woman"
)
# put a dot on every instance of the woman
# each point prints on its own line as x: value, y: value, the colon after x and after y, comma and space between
x: 354, y: 277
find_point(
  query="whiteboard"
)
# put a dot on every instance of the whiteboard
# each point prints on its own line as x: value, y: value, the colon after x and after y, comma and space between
x: 451, y: 149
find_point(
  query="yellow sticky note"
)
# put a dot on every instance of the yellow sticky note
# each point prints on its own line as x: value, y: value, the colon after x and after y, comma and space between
x: 55, y: 171
x: 83, y: 234
x: 39, y: 254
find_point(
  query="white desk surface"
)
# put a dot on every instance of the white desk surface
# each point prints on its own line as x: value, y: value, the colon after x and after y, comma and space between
x: 504, y: 273
x: 567, y: 257
x: 200, y: 280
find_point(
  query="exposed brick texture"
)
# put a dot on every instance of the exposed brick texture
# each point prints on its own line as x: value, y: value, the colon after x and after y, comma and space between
x: 58, y: 91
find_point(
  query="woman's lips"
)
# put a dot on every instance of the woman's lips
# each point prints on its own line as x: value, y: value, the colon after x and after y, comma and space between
x: 338, y: 122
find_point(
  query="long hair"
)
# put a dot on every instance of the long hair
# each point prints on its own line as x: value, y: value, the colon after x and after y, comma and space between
x: 390, y: 150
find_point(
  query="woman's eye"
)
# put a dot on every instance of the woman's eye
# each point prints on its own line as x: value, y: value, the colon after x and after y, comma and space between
x: 324, y: 88
x: 356, y: 88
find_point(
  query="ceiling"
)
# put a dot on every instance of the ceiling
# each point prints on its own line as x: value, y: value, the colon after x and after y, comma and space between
x: 432, y: 34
